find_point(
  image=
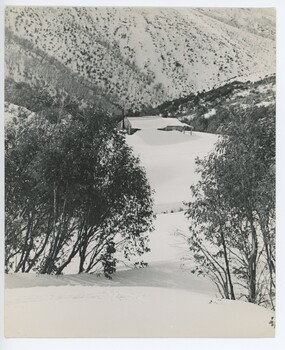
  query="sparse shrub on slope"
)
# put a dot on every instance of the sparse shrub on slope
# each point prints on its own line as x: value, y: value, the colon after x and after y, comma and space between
x: 147, y: 56
x: 31, y: 75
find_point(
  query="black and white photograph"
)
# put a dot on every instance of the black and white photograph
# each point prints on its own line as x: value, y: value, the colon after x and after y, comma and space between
x: 140, y: 172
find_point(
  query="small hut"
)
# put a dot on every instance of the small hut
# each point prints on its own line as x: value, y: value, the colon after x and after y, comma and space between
x: 133, y: 124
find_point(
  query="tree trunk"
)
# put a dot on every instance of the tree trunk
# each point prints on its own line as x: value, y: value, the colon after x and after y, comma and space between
x: 270, y: 259
x: 25, y: 250
x: 71, y: 256
x: 82, y: 250
x: 227, y: 266
x: 252, y: 262
x: 47, y: 267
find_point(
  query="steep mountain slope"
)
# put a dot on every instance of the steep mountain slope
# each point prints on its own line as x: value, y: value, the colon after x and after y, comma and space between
x: 141, y: 56
x: 261, y: 22
x: 209, y: 111
x: 36, y: 80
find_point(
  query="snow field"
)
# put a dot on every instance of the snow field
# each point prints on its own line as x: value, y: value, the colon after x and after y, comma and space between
x: 85, y: 311
x: 169, y: 159
x: 162, y: 300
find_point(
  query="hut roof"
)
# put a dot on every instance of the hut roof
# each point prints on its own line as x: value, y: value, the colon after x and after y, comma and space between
x: 147, y: 123
x: 187, y: 126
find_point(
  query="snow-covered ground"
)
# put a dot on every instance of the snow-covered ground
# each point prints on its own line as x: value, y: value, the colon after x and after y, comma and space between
x: 129, y: 311
x: 169, y: 159
x: 161, y: 300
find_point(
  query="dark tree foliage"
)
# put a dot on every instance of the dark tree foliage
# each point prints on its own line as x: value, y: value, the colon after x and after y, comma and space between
x: 219, y: 100
x: 22, y: 94
x: 233, y: 209
x: 73, y: 189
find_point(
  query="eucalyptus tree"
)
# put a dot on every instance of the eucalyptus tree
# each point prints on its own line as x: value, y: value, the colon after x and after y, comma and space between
x: 74, y: 189
x: 233, y: 208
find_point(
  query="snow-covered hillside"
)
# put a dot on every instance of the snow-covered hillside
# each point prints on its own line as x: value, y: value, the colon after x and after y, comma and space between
x: 210, y: 111
x: 140, y: 56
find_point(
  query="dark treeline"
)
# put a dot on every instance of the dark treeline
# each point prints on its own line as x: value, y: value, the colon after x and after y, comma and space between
x: 218, y: 100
